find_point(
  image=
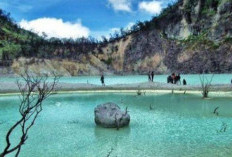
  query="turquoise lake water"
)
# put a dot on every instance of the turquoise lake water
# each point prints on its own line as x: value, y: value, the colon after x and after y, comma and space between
x: 178, y: 126
x: 111, y: 80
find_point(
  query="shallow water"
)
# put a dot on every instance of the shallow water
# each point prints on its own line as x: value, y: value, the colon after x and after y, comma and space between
x: 178, y: 125
x: 111, y: 80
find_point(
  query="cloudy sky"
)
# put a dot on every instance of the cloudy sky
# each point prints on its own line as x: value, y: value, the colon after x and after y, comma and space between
x: 77, y: 18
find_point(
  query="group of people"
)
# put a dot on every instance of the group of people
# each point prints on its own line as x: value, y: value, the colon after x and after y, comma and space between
x: 151, y: 76
x: 175, y: 79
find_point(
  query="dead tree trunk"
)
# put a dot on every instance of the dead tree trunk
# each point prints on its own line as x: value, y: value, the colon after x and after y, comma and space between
x: 205, y: 85
x: 34, y: 90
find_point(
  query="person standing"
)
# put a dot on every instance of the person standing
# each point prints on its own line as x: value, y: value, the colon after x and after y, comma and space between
x: 184, y: 82
x: 173, y: 78
x: 152, y: 76
x: 102, y: 80
x: 178, y: 79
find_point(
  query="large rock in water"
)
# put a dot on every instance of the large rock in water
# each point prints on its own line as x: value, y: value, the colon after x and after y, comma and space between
x: 109, y: 115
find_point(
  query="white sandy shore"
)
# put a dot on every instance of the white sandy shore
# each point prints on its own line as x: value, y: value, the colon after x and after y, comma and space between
x: 10, y: 87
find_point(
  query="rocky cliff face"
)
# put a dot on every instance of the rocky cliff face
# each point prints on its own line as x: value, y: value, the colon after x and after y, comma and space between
x: 195, y: 16
x: 192, y: 36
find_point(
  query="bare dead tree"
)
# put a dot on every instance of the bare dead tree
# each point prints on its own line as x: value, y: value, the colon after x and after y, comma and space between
x: 139, y: 92
x: 223, y: 128
x: 216, y: 111
x: 34, y: 90
x: 110, y: 152
x: 126, y: 111
x: 116, y: 121
x: 205, y: 85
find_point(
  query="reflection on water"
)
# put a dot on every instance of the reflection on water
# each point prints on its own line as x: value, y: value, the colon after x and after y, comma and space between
x: 177, y: 125
x: 102, y: 132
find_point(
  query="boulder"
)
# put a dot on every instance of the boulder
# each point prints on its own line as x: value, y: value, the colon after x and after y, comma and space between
x: 109, y: 115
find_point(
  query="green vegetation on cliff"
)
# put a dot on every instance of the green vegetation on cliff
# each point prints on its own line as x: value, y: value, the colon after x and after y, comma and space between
x: 13, y: 40
x: 190, y: 36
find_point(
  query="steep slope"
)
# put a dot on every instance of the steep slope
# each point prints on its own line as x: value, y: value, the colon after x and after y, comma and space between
x: 191, y: 36
x: 188, y: 37
x: 12, y: 39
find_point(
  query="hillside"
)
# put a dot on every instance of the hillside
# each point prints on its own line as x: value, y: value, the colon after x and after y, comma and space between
x: 13, y: 40
x: 191, y: 36
x: 188, y: 37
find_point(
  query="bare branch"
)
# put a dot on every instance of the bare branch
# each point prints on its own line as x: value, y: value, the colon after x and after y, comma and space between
x: 205, y: 85
x: 34, y: 90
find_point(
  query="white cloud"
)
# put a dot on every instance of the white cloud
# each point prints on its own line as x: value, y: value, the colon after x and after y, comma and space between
x: 129, y: 26
x: 121, y: 5
x: 99, y: 34
x: 113, y: 30
x: 56, y: 28
x: 106, y: 33
x: 152, y: 7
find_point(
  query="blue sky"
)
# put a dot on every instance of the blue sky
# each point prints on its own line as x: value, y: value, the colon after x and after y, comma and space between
x: 62, y: 18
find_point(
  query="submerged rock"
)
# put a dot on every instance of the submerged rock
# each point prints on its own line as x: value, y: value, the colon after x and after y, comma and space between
x: 109, y: 115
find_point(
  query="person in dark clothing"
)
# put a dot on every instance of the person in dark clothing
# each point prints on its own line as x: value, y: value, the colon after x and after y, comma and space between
x: 231, y: 81
x: 152, y: 76
x: 173, y: 77
x: 170, y: 79
x: 102, y: 80
x: 177, y: 79
x: 184, y: 82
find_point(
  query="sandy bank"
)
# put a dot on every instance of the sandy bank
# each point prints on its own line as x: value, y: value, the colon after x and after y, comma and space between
x: 10, y: 87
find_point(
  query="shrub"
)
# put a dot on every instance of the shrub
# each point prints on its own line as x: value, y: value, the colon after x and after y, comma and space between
x: 108, y: 61
x: 205, y: 85
x: 228, y: 39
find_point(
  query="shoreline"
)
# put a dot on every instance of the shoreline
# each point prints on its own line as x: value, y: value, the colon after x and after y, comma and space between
x: 15, y: 75
x: 164, y: 91
x: 9, y: 88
